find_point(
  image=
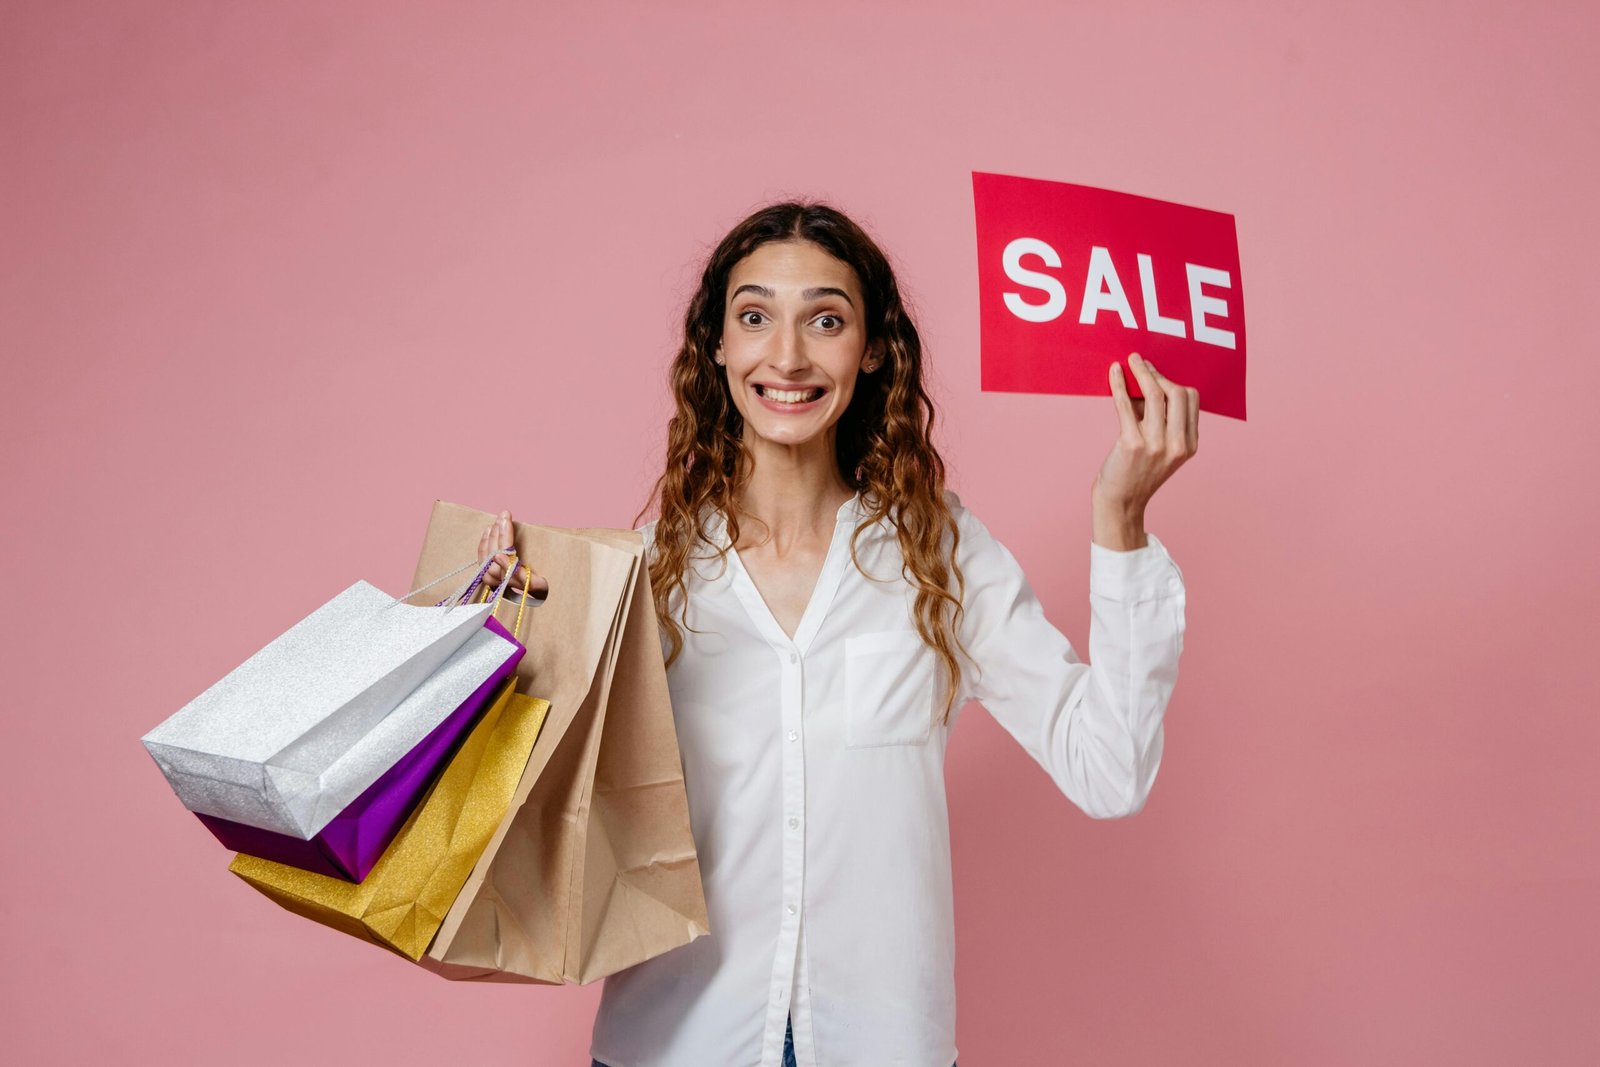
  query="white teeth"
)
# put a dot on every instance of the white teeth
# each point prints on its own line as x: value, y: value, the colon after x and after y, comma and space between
x: 791, y: 396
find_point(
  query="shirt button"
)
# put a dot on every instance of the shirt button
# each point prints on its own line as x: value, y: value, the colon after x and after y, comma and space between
x: 793, y: 823
x: 794, y: 657
x: 791, y: 909
x: 794, y: 735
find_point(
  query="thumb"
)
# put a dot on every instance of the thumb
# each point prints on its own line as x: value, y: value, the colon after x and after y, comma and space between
x: 1126, y: 416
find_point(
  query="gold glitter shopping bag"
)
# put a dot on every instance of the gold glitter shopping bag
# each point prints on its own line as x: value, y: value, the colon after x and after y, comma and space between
x: 593, y: 868
x: 405, y: 897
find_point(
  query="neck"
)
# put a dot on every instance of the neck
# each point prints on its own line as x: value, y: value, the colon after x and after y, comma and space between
x: 794, y: 492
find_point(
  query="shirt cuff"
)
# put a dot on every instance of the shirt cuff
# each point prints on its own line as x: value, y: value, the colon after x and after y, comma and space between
x: 1147, y: 573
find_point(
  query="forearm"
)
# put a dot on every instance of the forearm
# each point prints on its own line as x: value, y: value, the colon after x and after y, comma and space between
x: 1095, y: 729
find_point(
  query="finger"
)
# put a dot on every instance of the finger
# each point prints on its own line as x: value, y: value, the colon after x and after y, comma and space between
x: 486, y: 547
x: 507, y: 535
x: 1154, y: 423
x: 1177, y: 405
x: 522, y: 575
x: 538, y: 588
x: 500, y: 538
x: 1193, y: 396
x: 1126, y: 416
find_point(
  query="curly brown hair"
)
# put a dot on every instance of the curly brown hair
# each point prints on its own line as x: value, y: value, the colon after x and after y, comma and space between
x: 883, y: 440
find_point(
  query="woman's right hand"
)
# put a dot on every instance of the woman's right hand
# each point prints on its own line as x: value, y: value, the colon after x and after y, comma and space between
x: 497, y: 535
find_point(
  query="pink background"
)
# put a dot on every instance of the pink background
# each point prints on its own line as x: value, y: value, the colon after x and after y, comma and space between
x: 275, y: 276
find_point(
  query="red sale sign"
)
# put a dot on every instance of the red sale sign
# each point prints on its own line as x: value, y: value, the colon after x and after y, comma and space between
x: 1072, y: 279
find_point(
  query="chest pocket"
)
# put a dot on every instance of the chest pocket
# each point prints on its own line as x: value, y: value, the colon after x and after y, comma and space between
x: 889, y: 683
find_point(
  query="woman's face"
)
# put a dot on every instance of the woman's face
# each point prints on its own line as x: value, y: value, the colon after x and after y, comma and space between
x: 793, y: 341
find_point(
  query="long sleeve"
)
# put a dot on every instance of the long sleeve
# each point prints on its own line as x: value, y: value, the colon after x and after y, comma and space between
x: 1095, y: 727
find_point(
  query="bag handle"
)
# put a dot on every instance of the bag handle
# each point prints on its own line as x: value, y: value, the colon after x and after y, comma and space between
x: 522, y: 605
x: 465, y: 592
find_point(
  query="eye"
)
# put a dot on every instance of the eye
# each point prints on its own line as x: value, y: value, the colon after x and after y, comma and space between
x: 744, y: 317
x: 830, y: 322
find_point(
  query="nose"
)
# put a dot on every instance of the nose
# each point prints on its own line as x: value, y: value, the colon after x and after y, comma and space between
x: 790, y: 357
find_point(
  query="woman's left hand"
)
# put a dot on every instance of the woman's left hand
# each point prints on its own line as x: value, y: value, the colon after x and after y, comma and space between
x: 1159, y: 432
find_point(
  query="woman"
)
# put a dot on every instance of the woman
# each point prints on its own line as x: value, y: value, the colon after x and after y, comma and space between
x: 826, y: 608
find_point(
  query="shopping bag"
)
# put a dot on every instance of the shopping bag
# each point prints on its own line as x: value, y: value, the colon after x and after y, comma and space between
x: 593, y: 866
x: 402, y: 901
x: 290, y: 737
x: 350, y: 844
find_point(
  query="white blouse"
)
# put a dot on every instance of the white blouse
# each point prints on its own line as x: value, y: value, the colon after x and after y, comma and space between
x: 815, y: 776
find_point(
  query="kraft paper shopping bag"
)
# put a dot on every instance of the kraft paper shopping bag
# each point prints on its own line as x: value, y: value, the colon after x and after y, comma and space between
x: 593, y: 867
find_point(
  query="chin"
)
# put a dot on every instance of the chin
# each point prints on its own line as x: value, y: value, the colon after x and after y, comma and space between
x: 785, y: 435
x: 789, y: 439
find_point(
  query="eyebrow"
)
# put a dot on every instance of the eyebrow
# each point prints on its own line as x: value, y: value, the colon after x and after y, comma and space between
x: 813, y: 293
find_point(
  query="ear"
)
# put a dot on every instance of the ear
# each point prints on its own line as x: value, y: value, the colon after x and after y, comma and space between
x: 873, y: 359
x: 718, y: 356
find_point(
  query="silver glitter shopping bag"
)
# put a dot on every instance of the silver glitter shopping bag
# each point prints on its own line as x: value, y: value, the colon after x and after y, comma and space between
x: 300, y: 729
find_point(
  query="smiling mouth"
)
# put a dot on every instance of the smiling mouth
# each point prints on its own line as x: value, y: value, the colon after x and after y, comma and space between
x: 790, y: 396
